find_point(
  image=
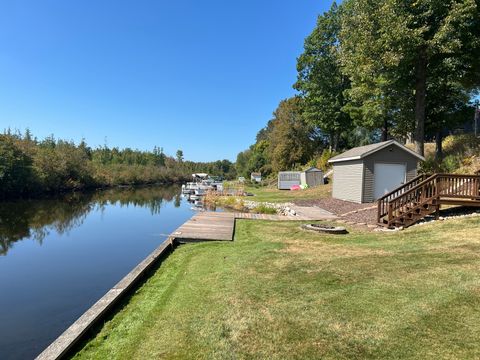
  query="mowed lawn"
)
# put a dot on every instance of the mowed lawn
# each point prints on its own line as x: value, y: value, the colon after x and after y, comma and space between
x: 272, y: 194
x: 278, y: 292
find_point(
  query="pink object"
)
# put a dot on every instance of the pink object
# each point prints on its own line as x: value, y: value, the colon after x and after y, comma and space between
x: 295, y: 187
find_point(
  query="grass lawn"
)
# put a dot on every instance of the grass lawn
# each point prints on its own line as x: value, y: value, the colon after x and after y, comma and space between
x: 278, y: 292
x: 270, y: 194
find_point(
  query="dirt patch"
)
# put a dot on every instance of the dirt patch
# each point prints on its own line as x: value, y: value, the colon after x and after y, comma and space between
x: 347, y: 210
x: 368, y: 216
x: 335, y: 206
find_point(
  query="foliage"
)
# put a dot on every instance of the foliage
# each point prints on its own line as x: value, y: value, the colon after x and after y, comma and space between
x: 321, y: 162
x: 15, y: 167
x: 462, y: 155
x: 29, y: 167
x: 278, y: 292
x: 287, y: 142
x: 397, y: 52
x: 321, y: 81
x: 292, y: 140
x: 264, y: 209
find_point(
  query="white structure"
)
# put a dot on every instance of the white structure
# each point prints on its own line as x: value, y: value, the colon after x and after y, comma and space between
x: 311, y: 177
x: 256, y: 177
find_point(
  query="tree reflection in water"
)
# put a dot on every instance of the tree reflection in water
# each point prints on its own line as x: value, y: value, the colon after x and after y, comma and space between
x: 34, y: 219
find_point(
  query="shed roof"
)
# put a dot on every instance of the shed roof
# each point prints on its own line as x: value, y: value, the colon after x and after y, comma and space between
x: 364, y: 151
x: 256, y: 174
x: 312, y: 169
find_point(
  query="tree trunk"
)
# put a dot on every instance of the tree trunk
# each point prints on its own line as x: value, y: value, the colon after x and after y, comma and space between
x: 438, y: 147
x: 333, y: 138
x: 420, y: 96
x: 385, y: 130
x: 335, y: 142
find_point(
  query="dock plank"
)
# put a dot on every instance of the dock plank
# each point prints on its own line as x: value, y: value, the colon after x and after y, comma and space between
x: 207, y: 226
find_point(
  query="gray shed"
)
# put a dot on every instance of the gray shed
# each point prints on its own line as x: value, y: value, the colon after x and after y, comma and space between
x: 364, y: 174
x: 311, y: 177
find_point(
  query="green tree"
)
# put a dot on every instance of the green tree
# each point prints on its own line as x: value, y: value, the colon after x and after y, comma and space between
x: 179, y: 156
x: 15, y: 168
x: 392, y: 48
x: 241, y: 165
x: 321, y: 81
x: 292, y: 140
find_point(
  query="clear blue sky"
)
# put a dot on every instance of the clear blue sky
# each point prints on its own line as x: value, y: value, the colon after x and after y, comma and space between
x: 202, y: 76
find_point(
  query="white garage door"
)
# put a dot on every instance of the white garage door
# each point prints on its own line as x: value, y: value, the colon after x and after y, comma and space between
x: 388, y: 177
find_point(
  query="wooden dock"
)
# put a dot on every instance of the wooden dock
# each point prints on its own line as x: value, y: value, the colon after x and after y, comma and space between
x: 207, y: 226
x: 220, y: 226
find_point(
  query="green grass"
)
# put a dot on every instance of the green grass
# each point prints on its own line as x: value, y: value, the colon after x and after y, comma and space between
x: 278, y: 292
x: 269, y: 194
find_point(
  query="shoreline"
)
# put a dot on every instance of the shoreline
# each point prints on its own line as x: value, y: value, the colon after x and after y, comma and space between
x: 84, y: 191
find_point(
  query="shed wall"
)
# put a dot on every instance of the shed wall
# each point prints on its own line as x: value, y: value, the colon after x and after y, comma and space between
x: 314, y: 178
x: 286, y: 179
x: 348, y: 180
x: 395, y: 156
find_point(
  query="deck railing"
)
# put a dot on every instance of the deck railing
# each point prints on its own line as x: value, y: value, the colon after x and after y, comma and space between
x: 423, y: 190
x: 383, y: 201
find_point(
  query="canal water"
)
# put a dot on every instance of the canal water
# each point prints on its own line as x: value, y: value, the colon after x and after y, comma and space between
x: 59, y: 256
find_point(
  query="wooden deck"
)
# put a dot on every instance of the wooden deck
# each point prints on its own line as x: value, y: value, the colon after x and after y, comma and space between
x: 220, y: 226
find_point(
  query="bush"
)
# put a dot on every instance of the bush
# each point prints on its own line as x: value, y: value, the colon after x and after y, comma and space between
x: 263, y: 209
x: 321, y: 162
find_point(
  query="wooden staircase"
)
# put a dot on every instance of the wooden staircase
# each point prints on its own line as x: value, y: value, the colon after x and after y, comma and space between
x: 423, y: 196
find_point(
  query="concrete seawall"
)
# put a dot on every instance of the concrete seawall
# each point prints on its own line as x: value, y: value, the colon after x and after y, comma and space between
x: 74, y: 333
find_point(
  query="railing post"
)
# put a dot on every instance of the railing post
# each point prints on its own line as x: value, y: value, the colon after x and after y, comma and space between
x: 390, y: 213
x: 379, y: 210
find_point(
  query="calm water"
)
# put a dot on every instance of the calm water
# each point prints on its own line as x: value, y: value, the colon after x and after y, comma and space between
x: 57, y: 257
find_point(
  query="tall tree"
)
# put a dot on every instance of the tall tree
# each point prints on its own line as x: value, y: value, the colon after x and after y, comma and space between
x: 321, y: 81
x: 292, y: 140
x: 391, y: 49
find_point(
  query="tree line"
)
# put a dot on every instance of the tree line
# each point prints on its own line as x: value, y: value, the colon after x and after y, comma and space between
x: 373, y: 70
x: 32, y: 167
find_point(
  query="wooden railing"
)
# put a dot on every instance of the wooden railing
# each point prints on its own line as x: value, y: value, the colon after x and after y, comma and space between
x: 383, y: 201
x: 423, y: 190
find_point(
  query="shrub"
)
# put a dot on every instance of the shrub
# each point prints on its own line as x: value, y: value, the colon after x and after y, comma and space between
x: 263, y: 209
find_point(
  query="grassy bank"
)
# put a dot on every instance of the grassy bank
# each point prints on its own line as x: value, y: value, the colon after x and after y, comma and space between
x: 272, y: 194
x: 278, y: 292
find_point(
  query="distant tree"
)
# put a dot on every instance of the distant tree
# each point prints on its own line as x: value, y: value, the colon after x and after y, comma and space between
x: 15, y: 168
x: 242, y: 163
x: 179, y: 155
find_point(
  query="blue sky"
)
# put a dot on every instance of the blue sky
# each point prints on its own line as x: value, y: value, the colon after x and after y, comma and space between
x: 202, y: 76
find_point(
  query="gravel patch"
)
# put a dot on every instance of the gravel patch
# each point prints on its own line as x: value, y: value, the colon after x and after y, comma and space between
x: 350, y: 211
x: 335, y: 206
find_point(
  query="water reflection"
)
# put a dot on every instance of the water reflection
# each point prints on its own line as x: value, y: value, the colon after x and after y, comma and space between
x: 89, y: 242
x: 34, y: 219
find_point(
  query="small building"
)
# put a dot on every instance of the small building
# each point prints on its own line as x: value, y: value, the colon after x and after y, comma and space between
x: 366, y: 173
x: 256, y: 177
x: 311, y: 177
